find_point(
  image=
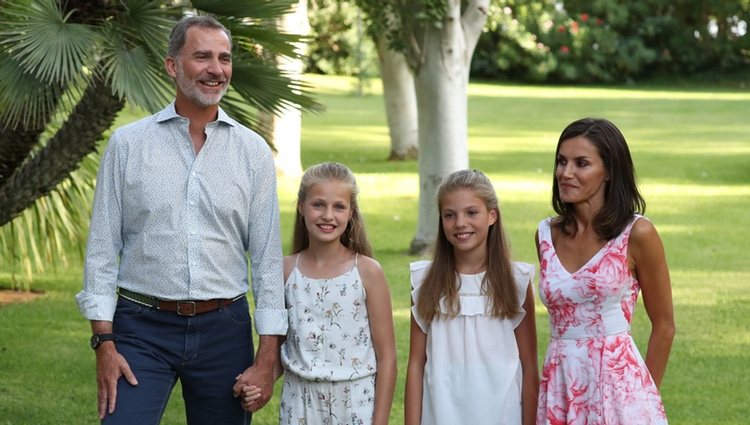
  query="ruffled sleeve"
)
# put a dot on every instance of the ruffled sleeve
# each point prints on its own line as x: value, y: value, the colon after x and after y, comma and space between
x: 523, y: 273
x: 418, y: 269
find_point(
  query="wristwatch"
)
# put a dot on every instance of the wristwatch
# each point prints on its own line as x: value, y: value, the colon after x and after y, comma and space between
x: 98, y: 339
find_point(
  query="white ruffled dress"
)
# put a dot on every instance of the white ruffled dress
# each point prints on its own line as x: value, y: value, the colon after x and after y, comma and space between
x: 473, y: 373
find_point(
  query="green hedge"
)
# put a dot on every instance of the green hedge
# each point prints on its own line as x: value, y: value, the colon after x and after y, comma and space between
x: 578, y: 41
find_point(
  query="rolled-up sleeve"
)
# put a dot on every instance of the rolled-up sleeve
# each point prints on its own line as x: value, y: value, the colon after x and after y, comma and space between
x: 264, y: 246
x: 98, y: 299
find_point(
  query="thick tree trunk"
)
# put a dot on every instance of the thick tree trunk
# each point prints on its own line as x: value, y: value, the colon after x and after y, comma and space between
x: 400, y: 102
x: 285, y: 129
x: 78, y: 136
x: 441, y: 86
x: 15, y: 146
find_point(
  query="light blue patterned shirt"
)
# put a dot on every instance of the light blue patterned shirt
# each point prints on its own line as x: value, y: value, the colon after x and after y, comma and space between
x: 178, y: 226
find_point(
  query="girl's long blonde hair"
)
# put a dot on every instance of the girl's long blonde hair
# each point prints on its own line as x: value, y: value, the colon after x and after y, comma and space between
x: 441, y: 279
x: 354, y: 237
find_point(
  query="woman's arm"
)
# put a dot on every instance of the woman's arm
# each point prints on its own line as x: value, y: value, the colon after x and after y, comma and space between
x: 415, y: 375
x: 527, y: 352
x: 649, y: 264
x: 383, y: 338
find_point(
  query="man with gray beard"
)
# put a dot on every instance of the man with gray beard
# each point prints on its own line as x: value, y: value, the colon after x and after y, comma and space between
x: 182, y: 197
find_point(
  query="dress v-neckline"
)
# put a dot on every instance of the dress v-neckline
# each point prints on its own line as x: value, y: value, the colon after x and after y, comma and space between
x: 585, y: 265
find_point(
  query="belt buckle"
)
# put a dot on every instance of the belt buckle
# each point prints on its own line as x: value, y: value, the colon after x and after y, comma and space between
x: 190, y: 305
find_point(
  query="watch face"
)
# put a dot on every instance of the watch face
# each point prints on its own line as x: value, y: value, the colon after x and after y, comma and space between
x: 98, y: 339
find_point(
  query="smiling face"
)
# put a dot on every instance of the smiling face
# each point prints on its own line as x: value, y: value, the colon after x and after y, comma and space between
x: 326, y: 210
x: 466, y: 221
x: 203, y: 69
x: 580, y: 172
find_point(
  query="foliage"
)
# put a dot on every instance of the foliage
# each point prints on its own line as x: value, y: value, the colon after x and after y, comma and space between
x: 608, y: 40
x: 338, y: 26
x: 340, y: 43
x: 698, y: 203
x: 558, y: 40
x: 66, y: 69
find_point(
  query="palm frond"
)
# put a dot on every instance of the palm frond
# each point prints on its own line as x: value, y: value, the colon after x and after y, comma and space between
x: 45, y: 44
x: 258, y: 9
x: 50, y: 229
x: 250, y: 36
x: 133, y: 73
x: 278, y: 90
x: 25, y: 101
x: 149, y: 23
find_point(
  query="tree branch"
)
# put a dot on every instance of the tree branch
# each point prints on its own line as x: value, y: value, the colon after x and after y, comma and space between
x: 472, y: 21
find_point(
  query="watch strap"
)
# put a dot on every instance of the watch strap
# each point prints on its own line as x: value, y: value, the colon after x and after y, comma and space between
x: 98, y: 339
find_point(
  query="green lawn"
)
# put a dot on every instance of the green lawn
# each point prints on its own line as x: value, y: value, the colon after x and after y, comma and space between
x: 692, y: 153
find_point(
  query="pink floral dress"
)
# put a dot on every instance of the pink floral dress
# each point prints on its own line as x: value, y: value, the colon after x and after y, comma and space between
x: 593, y: 372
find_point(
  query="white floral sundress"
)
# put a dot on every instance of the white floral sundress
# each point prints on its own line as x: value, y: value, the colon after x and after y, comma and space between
x: 593, y: 372
x: 328, y: 356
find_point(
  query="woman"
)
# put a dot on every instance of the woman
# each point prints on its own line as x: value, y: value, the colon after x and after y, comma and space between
x: 595, y: 256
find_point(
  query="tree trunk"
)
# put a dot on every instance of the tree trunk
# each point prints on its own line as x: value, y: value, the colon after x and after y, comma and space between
x: 15, y: 146
x: 77, y: 137
x: 285, y: 129
x: 400, y: 102
x: 441, y: 86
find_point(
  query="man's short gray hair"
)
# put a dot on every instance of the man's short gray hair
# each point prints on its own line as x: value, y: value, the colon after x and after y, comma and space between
x: 179, y: 32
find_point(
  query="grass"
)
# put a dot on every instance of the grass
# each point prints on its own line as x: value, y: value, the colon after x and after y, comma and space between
x: 692, y: 154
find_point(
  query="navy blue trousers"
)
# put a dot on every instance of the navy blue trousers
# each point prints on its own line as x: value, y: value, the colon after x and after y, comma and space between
x: 205, y: 352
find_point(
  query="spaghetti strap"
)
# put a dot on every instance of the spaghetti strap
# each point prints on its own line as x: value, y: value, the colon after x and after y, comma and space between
x: 296, y: 260
x: 356, y: 258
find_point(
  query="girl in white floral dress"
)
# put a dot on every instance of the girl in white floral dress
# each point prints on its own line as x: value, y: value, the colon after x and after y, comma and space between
x: 595, y: 257
x: 339, y: 357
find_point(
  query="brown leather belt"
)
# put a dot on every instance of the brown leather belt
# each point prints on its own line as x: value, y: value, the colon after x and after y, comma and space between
x: 182, y: 308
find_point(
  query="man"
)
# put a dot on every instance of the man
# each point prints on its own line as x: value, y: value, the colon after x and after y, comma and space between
x: 181, y: 197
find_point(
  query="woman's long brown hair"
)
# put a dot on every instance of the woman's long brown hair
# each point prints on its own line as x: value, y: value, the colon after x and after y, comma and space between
x: 621, y: 196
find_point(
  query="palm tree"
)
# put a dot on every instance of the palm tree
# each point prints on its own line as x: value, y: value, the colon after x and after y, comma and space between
x: 67, y: 67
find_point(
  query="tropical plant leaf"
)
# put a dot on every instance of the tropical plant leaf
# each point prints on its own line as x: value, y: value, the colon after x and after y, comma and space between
x: 46, y: 45
x: 54, y: 225
x: 25, y: 101
x: 279, y: 89
x: 150, y: 23
x: 258, y: 9
x: 270, y: 38
x: 134, y: 74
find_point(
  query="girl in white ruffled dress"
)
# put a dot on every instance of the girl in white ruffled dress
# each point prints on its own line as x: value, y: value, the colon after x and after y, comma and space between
x: 473, y: 354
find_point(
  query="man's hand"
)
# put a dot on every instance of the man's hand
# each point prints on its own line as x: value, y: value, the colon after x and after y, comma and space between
x: 110, y: 365
x: 255, y: 384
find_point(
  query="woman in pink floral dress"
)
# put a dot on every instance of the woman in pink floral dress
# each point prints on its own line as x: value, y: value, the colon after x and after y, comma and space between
x: 595, y: 256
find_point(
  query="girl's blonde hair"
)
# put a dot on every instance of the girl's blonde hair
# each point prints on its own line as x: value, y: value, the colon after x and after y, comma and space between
x: 441, y: 279
x: 354, y: 237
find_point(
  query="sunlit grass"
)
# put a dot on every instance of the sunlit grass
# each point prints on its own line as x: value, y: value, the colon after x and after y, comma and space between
x: 692, y: 154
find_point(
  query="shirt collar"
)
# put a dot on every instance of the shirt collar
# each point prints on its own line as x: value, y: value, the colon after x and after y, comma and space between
x: 169, y: 113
